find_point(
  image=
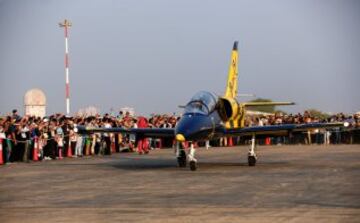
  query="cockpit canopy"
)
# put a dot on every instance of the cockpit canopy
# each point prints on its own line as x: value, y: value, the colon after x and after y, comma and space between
x: 202, y: 102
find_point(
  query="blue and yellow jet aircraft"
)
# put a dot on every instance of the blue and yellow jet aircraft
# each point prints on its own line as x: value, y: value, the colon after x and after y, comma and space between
x: 208, y: 116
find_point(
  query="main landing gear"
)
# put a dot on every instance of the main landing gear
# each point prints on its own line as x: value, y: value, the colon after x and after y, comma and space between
x: 252, y: 155
x: 181, y: 155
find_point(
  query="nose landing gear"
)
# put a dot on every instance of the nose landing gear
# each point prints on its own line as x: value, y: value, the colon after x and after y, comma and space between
x: 181, y: 159
x: 180, y: 155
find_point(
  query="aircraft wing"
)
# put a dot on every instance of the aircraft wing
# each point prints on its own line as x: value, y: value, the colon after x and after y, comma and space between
x: 144, y: 132
x: 280, y: 129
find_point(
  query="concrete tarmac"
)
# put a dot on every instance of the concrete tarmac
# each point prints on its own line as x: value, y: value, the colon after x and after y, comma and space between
x: 288, y: 184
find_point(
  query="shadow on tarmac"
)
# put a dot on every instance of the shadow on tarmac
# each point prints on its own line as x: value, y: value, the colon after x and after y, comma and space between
x: 171, y: 164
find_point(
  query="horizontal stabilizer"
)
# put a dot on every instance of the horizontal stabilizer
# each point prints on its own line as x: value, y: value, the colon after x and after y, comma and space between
x: 246, y: 95
x: 253, y: 104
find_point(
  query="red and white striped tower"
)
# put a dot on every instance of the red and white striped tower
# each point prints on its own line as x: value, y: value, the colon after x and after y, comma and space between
x: 65, y: 25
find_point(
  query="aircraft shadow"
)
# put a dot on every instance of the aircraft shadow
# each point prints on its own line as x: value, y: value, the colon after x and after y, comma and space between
x: 242, y: 164
x: 172, y: 164
x: 144, y: 164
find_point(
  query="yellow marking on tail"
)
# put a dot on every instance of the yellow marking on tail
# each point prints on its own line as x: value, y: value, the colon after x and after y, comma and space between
x: 232, y: 82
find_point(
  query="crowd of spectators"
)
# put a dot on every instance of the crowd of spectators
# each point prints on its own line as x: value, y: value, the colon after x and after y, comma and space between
x: 338, y: 135
x: 306, y: 117
x: 55, y: 137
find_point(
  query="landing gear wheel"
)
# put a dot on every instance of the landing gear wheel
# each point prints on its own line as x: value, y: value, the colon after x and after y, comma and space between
x: 193, y: 165
x: 251, y: 160
x: 182, y: 159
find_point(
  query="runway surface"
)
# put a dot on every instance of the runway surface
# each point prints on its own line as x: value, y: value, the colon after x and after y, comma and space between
x: 289, y: 184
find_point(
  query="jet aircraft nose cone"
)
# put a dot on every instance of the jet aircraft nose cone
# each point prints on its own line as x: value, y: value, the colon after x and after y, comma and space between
x: 180, y: 138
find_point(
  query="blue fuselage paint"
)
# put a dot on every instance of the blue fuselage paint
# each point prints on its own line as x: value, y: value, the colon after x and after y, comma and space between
x: 198, y: 127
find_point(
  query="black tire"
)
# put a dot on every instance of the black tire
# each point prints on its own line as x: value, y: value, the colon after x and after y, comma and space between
x: 251, y: 160
x: 193, y: 165
x: 181, y: 162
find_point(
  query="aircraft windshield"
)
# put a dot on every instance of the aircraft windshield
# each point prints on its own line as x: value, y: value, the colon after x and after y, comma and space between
x: 203, y: 102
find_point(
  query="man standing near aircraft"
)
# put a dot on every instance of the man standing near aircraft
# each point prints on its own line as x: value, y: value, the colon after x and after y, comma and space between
x: 143, y: 143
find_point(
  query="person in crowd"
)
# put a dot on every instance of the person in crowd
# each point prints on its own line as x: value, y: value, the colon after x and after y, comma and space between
x: 79, y: 142
x: 59, y: 138
x: 6, y: 152
x: 15, y: 115
x: 72, y: 137
x: 107, y: 136
x: 143, y: 143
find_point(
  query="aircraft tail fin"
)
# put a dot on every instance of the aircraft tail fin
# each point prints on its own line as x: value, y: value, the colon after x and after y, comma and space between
x: 232, y: 82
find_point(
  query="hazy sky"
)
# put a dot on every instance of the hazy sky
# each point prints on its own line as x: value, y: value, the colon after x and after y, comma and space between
x: 154, y: 55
